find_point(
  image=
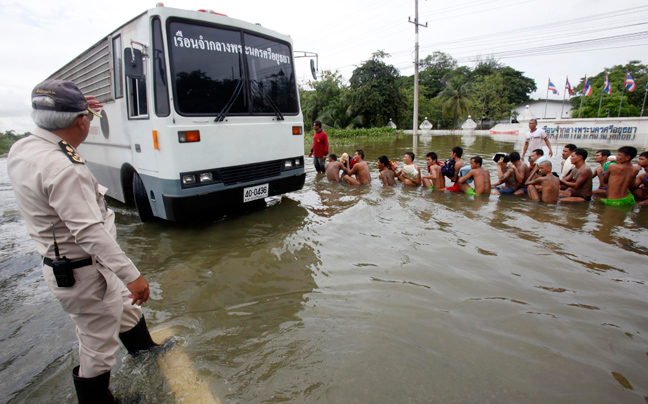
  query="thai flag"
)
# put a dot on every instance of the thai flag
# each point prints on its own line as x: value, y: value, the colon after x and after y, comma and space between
x: 568, y: 88
x: 553, y: 88
x: 587, y: 90
x: 606, y: 85
x: 629, y: 82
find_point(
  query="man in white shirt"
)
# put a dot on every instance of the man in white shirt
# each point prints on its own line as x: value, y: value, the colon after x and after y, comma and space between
x: 534, y: 138
x: 567, y: 165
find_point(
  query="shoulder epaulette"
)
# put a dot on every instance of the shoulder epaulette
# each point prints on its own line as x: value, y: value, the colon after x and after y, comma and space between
x: 69, y: 151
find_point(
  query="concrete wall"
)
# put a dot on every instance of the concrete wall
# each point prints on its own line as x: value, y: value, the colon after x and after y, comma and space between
x: 587, y: 132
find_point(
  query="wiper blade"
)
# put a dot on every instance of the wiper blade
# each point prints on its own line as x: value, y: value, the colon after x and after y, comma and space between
x: 267, y: 100
x: 239, y: 86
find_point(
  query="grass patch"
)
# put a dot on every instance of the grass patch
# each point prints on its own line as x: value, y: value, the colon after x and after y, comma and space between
x: 347, y: 137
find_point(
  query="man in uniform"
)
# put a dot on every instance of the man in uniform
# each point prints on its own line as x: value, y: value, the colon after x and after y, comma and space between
x: 66, y: 215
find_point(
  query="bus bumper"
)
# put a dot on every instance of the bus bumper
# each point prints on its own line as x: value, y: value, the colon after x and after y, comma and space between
x: 187, y: 208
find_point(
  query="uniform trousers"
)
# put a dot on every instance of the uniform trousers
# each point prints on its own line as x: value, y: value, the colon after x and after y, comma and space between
x: 99, y: 305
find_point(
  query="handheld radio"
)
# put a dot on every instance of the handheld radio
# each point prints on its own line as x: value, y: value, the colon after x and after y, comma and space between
x: 61, y: 267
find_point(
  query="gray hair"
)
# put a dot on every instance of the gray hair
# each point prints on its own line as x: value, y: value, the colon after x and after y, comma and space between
x: 52, y: 120
x: 534, y: 120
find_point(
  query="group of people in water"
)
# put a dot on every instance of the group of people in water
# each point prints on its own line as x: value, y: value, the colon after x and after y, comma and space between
x: 621, y: 182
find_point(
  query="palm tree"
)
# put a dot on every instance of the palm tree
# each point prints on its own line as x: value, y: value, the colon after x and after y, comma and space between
x: 456, y: 99
x: 340, y: 114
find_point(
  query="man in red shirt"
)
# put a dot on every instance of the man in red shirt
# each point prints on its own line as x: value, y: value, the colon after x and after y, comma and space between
x: 320, y: 147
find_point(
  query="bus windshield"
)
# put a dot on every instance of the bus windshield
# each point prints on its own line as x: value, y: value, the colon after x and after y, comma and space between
x: 218, y: 70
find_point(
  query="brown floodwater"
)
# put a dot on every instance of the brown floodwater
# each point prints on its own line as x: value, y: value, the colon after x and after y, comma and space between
x: 340, y: 294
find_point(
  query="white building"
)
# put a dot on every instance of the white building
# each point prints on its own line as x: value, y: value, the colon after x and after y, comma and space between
x: 553, y: 109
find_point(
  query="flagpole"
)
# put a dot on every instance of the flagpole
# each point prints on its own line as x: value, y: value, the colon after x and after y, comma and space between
x: 598, y: 115
x: 546, y: 99
x: 582, y: 96
x: 644, y: 103
x: 563, y: 104
x: 622, y: 92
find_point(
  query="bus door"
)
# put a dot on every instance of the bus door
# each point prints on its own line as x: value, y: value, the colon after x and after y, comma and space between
x: 137, y: 104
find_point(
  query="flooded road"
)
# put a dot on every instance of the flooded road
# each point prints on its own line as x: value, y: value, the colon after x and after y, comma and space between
x: 338, y: 294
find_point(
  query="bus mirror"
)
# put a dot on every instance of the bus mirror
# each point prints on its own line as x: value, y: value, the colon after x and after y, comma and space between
x: 313, y: 71
x: 133, y: 66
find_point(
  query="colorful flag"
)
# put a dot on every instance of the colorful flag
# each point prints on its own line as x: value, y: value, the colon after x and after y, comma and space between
x: 553, y: 88
x: 568, y: 88
x: 587, y: 89
x: 606, y: 85
x: 629, y: 82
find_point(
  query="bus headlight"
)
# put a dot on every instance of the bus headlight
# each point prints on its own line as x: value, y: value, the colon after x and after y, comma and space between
x: 189, y: 136
x: 288, y: 164
x: 188, y: 179
x: 206, y: 177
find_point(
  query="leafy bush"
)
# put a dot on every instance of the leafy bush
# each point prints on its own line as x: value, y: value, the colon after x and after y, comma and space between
x: 7, y: 139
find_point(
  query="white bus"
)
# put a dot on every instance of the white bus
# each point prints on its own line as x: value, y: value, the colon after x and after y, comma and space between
x: 201, y: 112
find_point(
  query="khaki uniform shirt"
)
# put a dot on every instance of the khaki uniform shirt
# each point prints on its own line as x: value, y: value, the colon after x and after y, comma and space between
x: 53, y: 185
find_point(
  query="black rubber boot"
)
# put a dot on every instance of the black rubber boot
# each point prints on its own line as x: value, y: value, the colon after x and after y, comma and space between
x: 93, y: 390
x: 137, y: 339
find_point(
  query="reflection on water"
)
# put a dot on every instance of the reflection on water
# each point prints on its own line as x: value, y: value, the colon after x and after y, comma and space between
x: 365, y: 294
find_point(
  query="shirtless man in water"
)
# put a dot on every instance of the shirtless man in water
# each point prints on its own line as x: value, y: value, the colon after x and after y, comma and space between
x: 601, y: 158
x: 435, y: 180
x: 579, y: 182
x: 360, y: 170
x: 387, y: 174
x: 641, y: 182
x: 410, y: 174
x: 479, y: 175
x: 549, y: 185
x: 507, y: 176
x: 620, y: 177
x: 521, y: 172
x: 333, y: 168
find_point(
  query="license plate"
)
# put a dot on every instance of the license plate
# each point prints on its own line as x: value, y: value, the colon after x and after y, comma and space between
x: 256, y: 192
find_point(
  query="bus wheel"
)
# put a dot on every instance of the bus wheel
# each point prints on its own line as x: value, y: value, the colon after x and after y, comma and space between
x: 141, y: 199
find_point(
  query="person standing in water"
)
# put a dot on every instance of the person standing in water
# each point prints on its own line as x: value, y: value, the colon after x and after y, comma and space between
x: 534, y: 138
x: 320, y: 148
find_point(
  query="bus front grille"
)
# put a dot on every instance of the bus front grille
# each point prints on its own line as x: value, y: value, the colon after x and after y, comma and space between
x: 250, y: 172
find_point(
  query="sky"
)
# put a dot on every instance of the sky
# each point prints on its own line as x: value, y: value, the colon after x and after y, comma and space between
x: 542, y: 38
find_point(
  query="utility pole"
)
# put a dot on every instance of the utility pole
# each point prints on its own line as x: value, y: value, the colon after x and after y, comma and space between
x: 416, y: 67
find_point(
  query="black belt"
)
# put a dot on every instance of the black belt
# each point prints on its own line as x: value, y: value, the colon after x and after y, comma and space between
x: 73, y: 265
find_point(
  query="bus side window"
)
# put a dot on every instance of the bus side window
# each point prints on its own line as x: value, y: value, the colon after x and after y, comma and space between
x: 117, y: 66
x: 160, y: 87
x: 135, y: 83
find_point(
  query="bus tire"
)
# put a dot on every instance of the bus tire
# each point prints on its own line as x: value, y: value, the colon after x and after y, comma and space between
x: 142, y: 202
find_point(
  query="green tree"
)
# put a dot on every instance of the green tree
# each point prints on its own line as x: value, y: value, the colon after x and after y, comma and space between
x: 325, y: 93
x: 8, y: 138
x: 375, y: 92
x: 490, y: 97
x: 340, y: 114
x: 426, y: 106
x: 610, y: 102
x: 433, y: 70
x: 456, y: 99
x: 517, y: 84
